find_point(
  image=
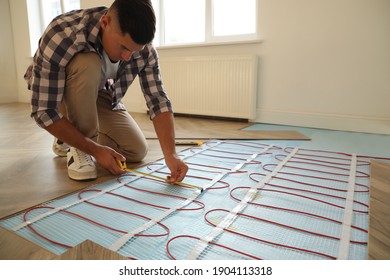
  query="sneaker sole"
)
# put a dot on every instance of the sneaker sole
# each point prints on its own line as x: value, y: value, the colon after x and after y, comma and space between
x: 87, y: 176
x: 59, y: 153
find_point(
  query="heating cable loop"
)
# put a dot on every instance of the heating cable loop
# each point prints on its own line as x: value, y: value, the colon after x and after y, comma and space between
x: 63, y: 207
x: 232, y: 215
x: 343, y: 252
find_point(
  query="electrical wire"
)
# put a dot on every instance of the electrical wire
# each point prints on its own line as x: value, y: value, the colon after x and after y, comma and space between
x: 269, y: 242
x: 291, y: 210
x: 201, y: 204
x: 365, y: 188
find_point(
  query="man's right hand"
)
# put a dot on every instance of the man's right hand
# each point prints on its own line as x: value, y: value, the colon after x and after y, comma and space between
x: 107, y: 158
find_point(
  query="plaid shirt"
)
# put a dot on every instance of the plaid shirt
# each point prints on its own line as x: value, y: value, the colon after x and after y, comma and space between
x: 78, y: 31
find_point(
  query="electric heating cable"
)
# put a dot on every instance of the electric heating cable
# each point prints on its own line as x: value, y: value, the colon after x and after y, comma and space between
x: 229, y: 219
x: 323, y: 201
x: 126, y: 237
x: 335, y: 153
x: 294, y: 211
x: 200, y: 204
x: 30, y: 226
x: 117, y: 245
x: 341, y: 198
x: 319, y: 193
x: 348, y: 200
x: 63, y: 207
x: 364, y: 188
x: 170, y: 254
x: 315, y: 159
x: 362, y: 174
x: 270, y: 242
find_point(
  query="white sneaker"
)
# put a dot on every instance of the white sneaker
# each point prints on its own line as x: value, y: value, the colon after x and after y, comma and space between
x: 60, y: 148
x: 80, y: 165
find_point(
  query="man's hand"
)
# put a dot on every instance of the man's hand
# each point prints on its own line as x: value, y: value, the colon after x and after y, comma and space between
x: 107, y: 158
x: 178, y: 169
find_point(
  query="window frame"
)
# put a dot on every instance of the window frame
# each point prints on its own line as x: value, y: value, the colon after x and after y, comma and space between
x: 210, y: 39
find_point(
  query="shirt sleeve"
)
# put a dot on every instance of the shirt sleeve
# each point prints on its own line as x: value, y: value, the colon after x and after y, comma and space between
x: 47, y: 81
x: 47, y: 87
x: 155, y: 95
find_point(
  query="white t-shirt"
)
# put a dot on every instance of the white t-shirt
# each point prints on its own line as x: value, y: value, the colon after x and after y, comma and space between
x: 109, y: 70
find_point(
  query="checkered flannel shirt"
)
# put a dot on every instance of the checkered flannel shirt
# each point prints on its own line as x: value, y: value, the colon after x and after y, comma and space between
x: 75, y: 32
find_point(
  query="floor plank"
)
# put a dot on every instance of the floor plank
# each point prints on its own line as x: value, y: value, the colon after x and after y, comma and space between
x: 89, y: 250
x: 379, y: 223
x: 14, y: 247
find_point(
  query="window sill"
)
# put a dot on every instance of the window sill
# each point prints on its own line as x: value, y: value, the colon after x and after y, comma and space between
x: 208, y: 44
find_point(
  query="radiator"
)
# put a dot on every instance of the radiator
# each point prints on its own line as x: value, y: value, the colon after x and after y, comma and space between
x: 220, y: 86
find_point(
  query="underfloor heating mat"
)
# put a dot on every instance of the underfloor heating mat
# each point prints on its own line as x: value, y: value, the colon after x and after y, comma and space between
x: 259, y: 201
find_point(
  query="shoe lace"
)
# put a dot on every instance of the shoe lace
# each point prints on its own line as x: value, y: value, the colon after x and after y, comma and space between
x: 84, y: 158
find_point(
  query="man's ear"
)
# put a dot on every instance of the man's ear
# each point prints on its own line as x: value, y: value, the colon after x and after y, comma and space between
x: 104, y: 21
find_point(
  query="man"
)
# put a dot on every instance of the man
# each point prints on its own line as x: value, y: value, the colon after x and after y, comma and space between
x: 84, y: 64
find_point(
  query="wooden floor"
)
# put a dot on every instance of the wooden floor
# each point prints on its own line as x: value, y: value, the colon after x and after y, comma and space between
x: 379, y: 230
x: 31, y: 174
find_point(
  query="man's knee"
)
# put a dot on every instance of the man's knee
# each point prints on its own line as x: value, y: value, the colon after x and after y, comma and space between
x: 133, y: 154
x: 134, y: 151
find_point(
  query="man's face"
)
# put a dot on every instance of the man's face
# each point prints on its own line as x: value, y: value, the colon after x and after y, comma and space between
x: 117, y: 46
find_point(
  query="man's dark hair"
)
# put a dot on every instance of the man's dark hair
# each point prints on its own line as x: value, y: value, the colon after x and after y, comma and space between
x: 137, y: 18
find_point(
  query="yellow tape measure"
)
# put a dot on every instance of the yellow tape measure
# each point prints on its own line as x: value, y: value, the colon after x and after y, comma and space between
x: 122, y: 164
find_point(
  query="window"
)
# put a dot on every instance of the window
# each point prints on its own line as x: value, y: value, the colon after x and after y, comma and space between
x: 175, y: 28
x: 187, y: 22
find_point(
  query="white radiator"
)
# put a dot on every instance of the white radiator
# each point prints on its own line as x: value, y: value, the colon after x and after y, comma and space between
x: 222, y: 86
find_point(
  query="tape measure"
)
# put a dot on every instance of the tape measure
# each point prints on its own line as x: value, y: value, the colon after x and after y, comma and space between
x: 122, y: 165
x: 188, y: 143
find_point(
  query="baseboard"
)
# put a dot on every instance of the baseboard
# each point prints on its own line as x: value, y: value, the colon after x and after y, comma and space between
x: 325, y: 121
x: 8, y: 99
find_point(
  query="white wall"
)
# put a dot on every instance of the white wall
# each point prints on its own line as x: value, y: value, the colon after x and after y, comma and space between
x: 8, y: 88
x: 21, y: 37
x: 326, y: 63
x: 323, y: 63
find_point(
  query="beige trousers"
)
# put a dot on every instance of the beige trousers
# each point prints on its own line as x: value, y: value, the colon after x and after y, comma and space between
x: 90, y: 110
